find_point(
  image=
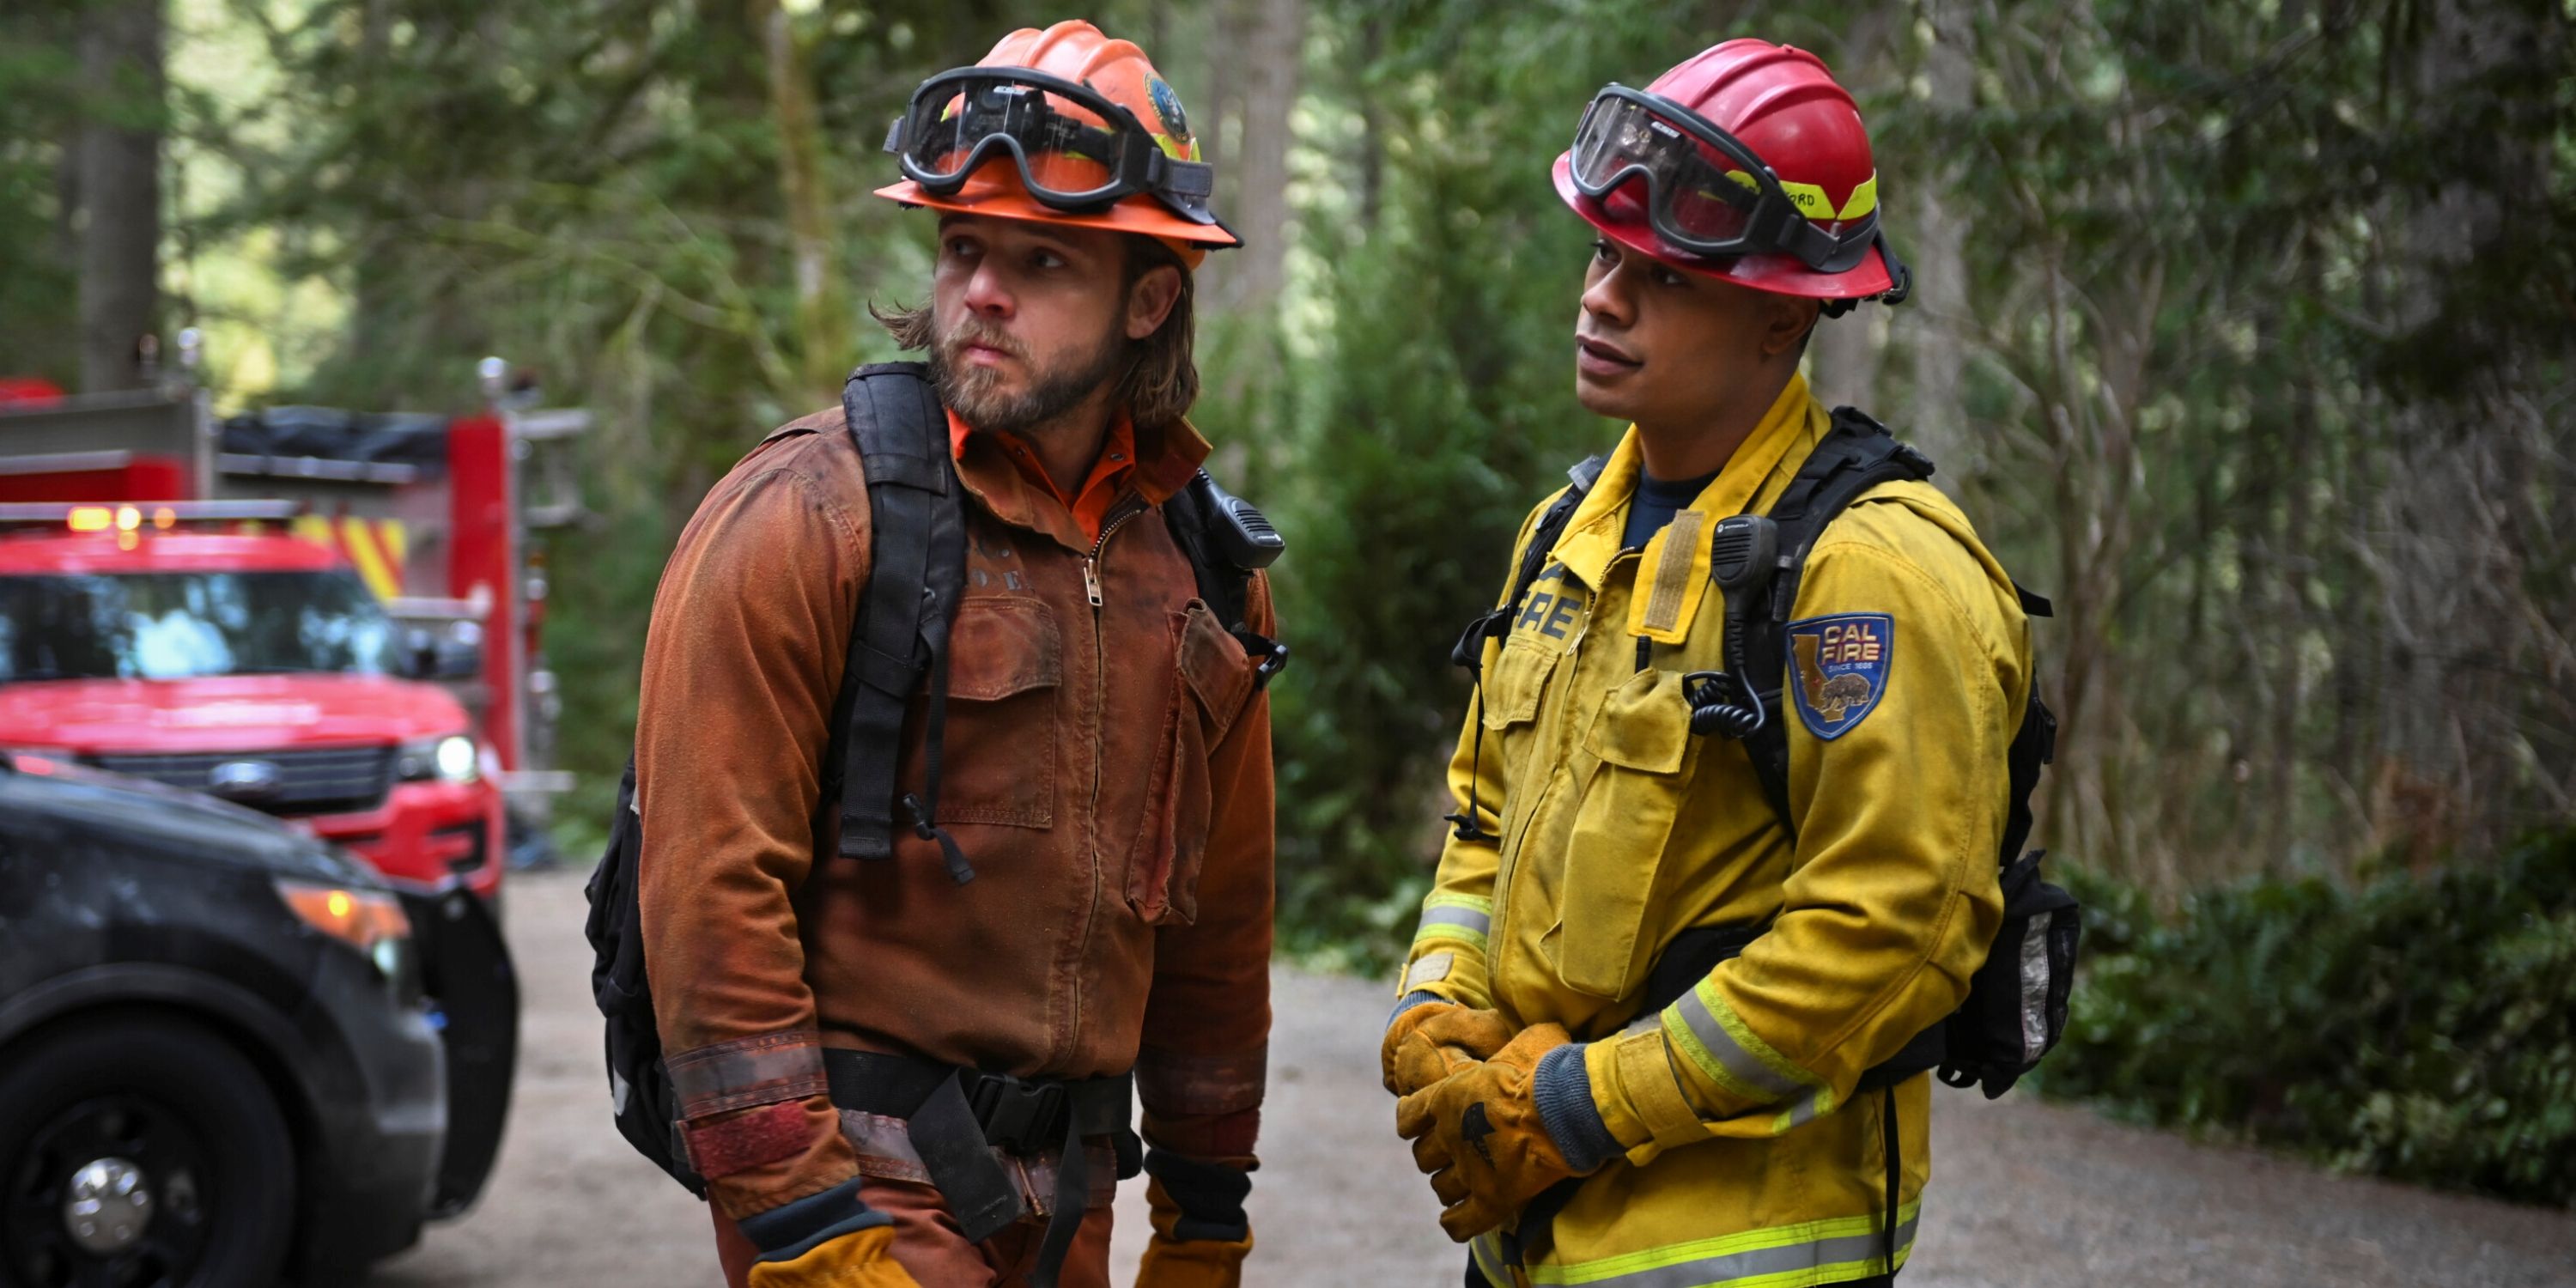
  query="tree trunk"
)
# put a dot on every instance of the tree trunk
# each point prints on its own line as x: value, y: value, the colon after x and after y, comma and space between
x: 1939, y: 307
x: 1267, y: 38
x: 823, y: 317
x: 2459, y: 625
x: 119, y: 146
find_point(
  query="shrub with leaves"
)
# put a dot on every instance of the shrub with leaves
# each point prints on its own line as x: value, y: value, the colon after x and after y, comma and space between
x: 2417, y: 1028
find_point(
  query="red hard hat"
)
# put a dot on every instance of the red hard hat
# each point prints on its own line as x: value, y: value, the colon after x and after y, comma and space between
x: 1784, y: 104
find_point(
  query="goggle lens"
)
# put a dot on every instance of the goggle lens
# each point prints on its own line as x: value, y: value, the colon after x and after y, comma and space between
x: 1065, y: 148
x: 1695, y: 197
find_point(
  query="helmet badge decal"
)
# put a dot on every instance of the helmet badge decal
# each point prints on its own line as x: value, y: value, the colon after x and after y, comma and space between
x: 1167, y: 105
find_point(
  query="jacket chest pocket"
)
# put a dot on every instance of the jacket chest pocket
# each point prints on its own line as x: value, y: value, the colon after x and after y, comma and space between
x: 1211, y: 687
x: 1643, y: 751
x: 1005, y: 679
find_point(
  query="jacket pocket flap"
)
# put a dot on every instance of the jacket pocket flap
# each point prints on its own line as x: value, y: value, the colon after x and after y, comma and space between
x: 1000, y: 647
x: 1217, y: 668
x: 1514, y: 685
x: 1643, y: 724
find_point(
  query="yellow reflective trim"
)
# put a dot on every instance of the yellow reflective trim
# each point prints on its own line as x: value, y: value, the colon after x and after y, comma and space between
x: 1678, y: 1032
x: 313, y: 528
x: 1445, y: 899
x: 1751, y: 1041
x: 1864, y: 199
x: 396, y: 539
x: 361, y: 546
x: 1811, y: 201
x: 1811, y: 1252
x: 1433, y: 932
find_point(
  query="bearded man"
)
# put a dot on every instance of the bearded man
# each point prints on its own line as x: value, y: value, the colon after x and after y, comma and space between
x: 914, y: 1064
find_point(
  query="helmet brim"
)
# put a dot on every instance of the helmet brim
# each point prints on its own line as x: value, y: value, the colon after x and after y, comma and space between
x: 1778, y: 274
x: 1009, y: 200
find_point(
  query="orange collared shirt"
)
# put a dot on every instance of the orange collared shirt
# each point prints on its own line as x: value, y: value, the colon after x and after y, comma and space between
x: 1110, y: 473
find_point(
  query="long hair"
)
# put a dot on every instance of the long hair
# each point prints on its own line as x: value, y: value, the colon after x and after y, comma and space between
x: 1162, y: 378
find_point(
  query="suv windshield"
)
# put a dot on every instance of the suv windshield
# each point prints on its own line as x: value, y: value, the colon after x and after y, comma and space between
x: 176, y: 625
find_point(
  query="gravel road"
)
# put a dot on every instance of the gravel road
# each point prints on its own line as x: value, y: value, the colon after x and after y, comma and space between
x: 2026, y: 1195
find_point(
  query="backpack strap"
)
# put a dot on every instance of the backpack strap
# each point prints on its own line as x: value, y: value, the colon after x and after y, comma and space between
x: 1226, y: 540
x: 1857, y: 454
x: 918, y: 527
x: 1469, y: 653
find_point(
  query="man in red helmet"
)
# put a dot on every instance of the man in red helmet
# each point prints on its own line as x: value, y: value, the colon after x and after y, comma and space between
x: 1650, y: 1028
x: 903, y: 1032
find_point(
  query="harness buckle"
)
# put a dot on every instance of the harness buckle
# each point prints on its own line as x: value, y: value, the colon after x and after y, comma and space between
x: 1018, y: 1116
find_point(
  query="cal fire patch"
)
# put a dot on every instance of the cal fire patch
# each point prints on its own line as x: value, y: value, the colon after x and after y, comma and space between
x: 1838, y: 668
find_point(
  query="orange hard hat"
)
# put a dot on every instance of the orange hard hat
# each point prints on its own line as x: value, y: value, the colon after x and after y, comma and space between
x: 1085, y: 87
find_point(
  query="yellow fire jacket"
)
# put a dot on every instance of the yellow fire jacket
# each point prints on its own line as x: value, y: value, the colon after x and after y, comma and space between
x: 1747, y: 1158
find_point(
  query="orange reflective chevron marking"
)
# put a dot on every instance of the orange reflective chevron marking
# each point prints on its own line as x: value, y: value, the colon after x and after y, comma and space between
x: 376, y: 549
x: 382, y: 577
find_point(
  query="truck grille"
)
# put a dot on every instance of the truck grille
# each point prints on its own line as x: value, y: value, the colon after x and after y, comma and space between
x: 334, y: 780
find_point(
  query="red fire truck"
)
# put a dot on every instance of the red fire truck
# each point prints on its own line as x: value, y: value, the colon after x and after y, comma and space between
x: 325, y: 616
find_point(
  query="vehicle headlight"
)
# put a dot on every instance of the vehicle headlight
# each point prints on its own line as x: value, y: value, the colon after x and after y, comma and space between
x: 370, y: 921
x: 452, y: 759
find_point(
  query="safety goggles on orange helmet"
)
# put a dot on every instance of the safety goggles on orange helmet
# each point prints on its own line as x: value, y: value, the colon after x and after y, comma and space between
x: 1076, y: 150
x: 1706, y: 193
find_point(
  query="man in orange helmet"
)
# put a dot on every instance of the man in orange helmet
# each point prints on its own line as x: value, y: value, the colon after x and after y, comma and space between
x: 1660, y: 1022
x: 904, y: 1023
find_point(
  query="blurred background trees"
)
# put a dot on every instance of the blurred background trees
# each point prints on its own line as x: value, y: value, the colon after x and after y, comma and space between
x: 2246, y: 331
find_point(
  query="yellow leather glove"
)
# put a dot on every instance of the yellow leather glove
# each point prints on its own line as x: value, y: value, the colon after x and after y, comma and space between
x: 1430, y: 1041
x: 860, y: 1259
x: 1173, y: 1262
x: 1479, y: 1136
x: 825, y: 1240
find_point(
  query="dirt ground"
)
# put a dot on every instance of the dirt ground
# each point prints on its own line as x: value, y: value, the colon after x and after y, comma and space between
x: 2026, y: 1195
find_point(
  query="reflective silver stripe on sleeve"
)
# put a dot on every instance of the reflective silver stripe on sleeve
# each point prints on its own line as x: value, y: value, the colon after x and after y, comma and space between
x: 2034, y: 989
x: 1802, y: 1111
x: 1747, y: 1068
x: 745, y: 1072
x: 1756, y: 1263
x: 1464, y: 918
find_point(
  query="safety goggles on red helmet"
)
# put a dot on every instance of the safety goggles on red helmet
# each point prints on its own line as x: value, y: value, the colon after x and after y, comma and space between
x: 1695, y: 203
x: 958, y: 120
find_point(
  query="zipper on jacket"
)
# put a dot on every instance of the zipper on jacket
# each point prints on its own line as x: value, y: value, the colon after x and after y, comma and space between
x: 1119, y: 514
x: 1125, y: 510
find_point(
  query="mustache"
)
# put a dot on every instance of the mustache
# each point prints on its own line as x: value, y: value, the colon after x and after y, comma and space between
x: 970, y: 331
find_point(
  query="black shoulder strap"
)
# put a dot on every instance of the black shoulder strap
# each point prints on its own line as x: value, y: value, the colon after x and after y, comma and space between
x: 916, y: 574
x: 1469, y: 653
x: 1857, y: 454
x: 1224, y: 585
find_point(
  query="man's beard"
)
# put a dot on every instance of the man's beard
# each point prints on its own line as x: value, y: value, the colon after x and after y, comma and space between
x: 975, y: 393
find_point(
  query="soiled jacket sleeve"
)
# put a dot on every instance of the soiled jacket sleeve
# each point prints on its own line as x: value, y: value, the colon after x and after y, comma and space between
x: 1448, y: 959
x: 743, y: 656
x: 1201, y: 1067
x: 1891, y: 898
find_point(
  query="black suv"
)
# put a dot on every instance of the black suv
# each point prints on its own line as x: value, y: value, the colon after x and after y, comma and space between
x: 228, y: 1052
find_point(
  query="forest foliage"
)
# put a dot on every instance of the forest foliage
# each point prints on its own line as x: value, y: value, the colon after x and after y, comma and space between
x: 2244, y: 331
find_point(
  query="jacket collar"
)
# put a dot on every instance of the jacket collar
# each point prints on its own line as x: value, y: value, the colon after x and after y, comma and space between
x: 1166, y: 457
x: 1758, y: 470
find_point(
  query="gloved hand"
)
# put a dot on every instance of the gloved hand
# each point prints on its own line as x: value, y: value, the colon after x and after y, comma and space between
x: 1201, y: 1235
x: 1479, y: 1135
x: 1432, y: 1040
x: 860, y: 1259
x: 826, y: 1240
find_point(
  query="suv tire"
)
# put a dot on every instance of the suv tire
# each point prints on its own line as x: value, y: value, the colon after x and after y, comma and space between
x: 140, y: 1150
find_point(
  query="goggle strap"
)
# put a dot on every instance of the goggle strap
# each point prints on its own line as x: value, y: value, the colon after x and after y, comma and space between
x: 1186, y: 178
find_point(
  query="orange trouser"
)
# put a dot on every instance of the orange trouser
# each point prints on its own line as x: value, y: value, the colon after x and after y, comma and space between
x: 931, y: 1247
